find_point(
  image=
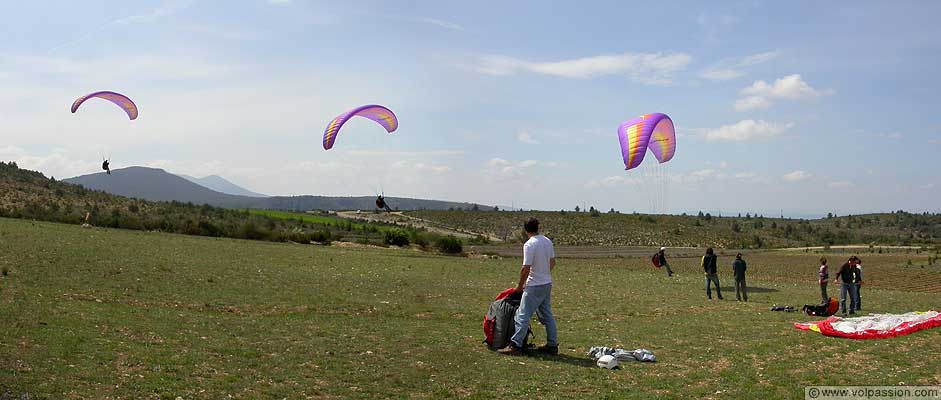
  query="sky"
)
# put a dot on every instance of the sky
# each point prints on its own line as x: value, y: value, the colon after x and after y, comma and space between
x: 800, y: 108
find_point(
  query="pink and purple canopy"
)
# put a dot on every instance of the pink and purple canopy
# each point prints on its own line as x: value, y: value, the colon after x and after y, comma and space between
x: 121, y: 100
x: 383, y: 116
x: 654, y: 131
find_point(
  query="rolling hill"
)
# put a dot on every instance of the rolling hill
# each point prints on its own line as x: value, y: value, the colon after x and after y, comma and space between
x: 221, y: 185
x: 159, y: 185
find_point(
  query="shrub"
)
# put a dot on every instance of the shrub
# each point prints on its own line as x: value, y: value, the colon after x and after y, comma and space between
x: 396, y: 237
x: 323, y: 237
x: 450, y: 245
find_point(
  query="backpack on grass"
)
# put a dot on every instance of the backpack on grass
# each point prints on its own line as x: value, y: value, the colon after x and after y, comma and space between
x: 499, y: 325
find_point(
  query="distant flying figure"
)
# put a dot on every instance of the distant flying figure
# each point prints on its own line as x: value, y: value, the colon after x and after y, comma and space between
x: 106, y: 167
x: 381, y: 204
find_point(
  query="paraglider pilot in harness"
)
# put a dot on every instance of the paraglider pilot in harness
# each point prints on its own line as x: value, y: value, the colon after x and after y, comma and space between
x: 381, y: 204
x: 106, y: 167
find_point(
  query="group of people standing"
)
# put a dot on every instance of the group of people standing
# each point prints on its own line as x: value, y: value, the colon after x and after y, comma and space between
x: 709, y: 264
x: 850, y: 278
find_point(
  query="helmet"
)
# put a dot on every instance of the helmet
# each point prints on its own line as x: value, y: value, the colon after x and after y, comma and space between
x: 608, y: 361
x: 663, y: 248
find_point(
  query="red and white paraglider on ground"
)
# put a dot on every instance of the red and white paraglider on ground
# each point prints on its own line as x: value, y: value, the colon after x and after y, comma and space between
x: 875, y: 326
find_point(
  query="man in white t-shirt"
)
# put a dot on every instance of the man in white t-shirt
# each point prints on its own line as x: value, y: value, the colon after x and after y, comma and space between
x: 536, y: 284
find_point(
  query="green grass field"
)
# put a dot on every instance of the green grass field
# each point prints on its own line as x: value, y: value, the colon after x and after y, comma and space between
x: 310, y: 218
x: 102, y: 313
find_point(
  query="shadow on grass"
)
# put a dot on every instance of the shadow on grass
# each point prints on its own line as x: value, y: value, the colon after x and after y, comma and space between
x: 731, y: 289
x: 564, y: 358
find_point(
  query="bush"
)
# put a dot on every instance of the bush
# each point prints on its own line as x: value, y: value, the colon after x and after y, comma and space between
x: 323, y: 237
x: 418, y: 238
x: 396, y: 237
x: 450, y: 245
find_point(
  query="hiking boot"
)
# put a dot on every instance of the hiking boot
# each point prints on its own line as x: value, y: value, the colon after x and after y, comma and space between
x: 511, y: 350
x: 550, y: 350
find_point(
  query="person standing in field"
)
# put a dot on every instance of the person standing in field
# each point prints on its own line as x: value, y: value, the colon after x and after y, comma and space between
x: 738, y: 269
x: 858, y: 282
x: 709, y: 268
x: 845, y: 277
x: 536, y: 284
x: 663, y: 261
x: 823, y: 276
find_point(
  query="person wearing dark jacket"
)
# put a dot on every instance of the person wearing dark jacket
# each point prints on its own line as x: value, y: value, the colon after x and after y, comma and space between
x: 662, y: 258
x: 709, y: 268
x: 738, y: 269
x: 845, y: 277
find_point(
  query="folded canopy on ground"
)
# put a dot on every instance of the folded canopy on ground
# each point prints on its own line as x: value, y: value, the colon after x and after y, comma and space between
x: 875, y: 326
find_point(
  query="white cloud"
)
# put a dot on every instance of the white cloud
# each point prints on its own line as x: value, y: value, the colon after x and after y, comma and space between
x: 729, y: 69
x: 222, y: 32
x: 441, y: 24
x: 888, y: 135
x: 759, y: 58
x: 396, y: 153
x: 612, y: 181
x: 506, y: 168
x: 761, y: 94
x: 58, y: 162
x: 796, y: 176
x: 721, y: 74
x: 525, y: 137
x: 841, y: 184
x: 746, y: 130
x: 165, y: 9
x: 649, y: 68
x: 420, y: 167
x: 752, y: 103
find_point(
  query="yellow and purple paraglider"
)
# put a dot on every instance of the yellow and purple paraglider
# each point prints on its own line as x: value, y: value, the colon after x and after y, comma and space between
x: 649, y: 131
x: 117, y: 98
x: 381, y: 115
x: 654, y: 132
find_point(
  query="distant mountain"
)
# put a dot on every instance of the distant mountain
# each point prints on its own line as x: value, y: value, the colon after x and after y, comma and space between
x: 159, y: 185
x: 221, y: 185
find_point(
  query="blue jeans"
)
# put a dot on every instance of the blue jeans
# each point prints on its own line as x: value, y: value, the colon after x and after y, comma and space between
x: 850, y: 289
x: 535, y: 300
x: 712, y: 278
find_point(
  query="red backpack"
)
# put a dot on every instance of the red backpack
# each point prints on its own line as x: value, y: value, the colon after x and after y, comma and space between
x: 499, y: 325
x: 656, y: 260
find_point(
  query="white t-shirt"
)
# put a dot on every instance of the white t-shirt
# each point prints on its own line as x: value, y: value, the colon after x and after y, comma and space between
x: 536, y: 253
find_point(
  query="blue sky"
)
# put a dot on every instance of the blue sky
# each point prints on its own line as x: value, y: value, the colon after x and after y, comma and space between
x: 801, y: 107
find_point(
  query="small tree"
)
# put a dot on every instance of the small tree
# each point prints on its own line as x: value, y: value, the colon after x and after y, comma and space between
x: 577, y: 209
x: 449, y: 244
x: 396, y: 237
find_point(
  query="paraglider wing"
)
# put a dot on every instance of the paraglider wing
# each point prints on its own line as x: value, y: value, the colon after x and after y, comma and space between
x: 383, y: 116
x: 654, y: 131
x: 121, y: 100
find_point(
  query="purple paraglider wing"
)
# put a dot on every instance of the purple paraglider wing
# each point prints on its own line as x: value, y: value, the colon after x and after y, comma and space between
x: 654, y: 131
x: 381, y: 115
x: 119, y: 99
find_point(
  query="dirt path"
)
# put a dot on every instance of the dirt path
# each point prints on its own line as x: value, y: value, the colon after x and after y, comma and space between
x: 400, y: 218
